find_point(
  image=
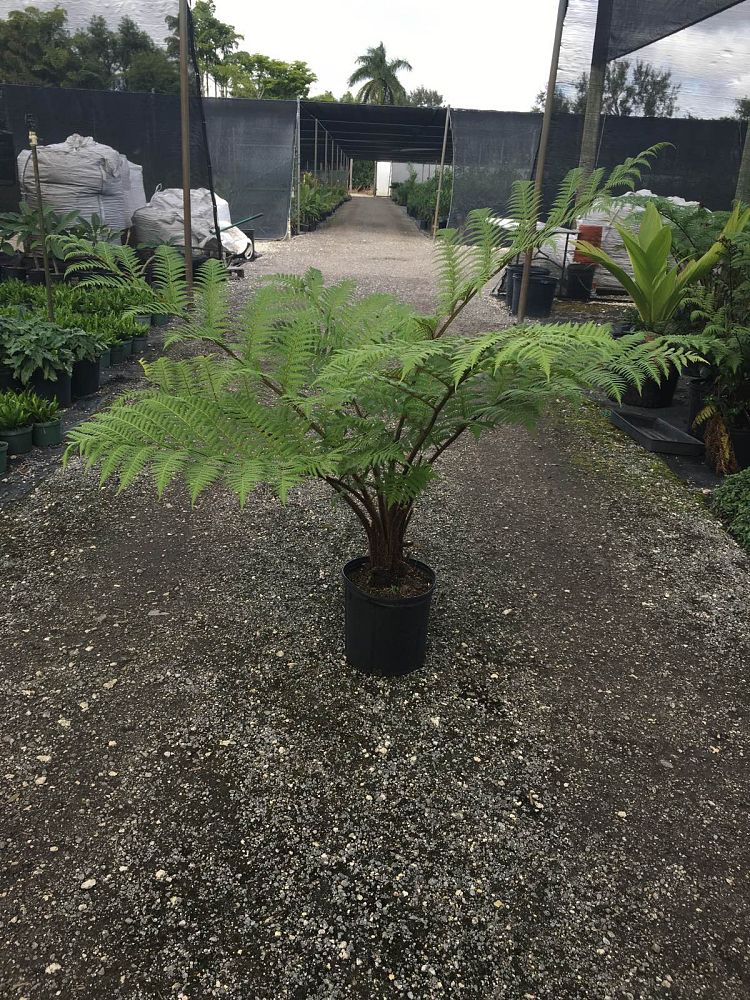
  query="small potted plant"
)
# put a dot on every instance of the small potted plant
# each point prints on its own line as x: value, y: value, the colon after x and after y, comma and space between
x: 15, y: 423
x: 87, y: 349
x: 368, y: 405
x: 38, y: 355
x: 658, y: 287
x: 45, y: 418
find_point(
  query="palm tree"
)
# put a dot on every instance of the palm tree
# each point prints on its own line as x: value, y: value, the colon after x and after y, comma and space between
x: 378, y: 76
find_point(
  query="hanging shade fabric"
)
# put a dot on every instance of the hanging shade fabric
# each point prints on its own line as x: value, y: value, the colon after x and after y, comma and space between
x: 636, y: 23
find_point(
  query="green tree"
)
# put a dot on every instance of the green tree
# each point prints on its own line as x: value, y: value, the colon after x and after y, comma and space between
x: 215, y: 42
x: 637, y: 89
x: 561, y: 103
x: 35, y: 48
x: 379, y: 79
x: 256, y: 75
x: 152, y: 71
x: 422, y: 97
x: 742, y: 108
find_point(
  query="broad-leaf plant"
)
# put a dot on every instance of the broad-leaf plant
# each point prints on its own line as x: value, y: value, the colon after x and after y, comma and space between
x: 363, y: 393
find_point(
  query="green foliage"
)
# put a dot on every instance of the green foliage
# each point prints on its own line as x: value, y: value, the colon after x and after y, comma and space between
x: 363, y: 393
x: 14, y: 411
x: 40, y: 411
x: 731, y: 501
x: 33, y: 345
x: 26, y: 226
x: 423, y: 97
x: 657, y: 288
x: 379, y: 78
x: 257, y: 76
x: 36, y: 48
x: 420, y: 197
x: 363, y: 175
x: 317, y: 198
x: 629, y: 89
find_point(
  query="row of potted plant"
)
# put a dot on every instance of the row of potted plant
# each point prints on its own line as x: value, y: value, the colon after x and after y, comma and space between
x: 315, y: 202
x: 420, y: 198
x: 27, y: 419
x: 691, y: 278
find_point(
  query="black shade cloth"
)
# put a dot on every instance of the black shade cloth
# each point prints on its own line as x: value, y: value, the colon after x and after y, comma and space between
x: 637, y: 23
x: 253, y: 157
x: 374, y: 132
x: 494, y: 148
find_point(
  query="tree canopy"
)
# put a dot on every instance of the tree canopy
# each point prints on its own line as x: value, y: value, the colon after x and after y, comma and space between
x: 378, y: 76
x: 36, y: 48
x: 423, y: 97
x: 630, y: 89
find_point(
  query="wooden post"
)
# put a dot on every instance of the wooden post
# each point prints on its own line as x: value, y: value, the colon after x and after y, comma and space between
x: 543, y: 144
x: 743, y: 178
x: 595, y: 97
x: 33, y: 141
x: 325, y: 157
x: 315, y: 169
x: 436, y: 220
x: 351, y: 174
x: 185, y: 129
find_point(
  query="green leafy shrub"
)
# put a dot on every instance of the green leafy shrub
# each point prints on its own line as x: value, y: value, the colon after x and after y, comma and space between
x: 731, y: 501
x: 33, y: 345
x: 364, y: 394
x: 14, y: 411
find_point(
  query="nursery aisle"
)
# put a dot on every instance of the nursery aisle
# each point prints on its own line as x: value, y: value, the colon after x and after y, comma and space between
x: 203, y: 800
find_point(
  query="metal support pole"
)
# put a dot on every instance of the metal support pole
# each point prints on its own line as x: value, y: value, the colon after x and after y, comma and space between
x: 325, y: 157
x: 299, y: 169
x: 351, y: 174
x: 543, y: 144
x: 33, y: 140
x: 595, y: 96
x: 743, y: 179
x: 436, y: 220
x: 315, y: 168
x: 185, y: 129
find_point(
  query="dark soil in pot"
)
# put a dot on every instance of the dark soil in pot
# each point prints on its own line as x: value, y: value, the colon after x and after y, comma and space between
x: 61, y: 389
x: 387, y: 635
x: 20, y: 441
x: 85, y: 379
x: 48, y: 434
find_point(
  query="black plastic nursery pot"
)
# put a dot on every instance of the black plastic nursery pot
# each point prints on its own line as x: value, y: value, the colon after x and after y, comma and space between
x: 127, y: 346
x: 579, y: 281
x: 118, y: 353
x: 654, y: 395
x: 386, y: 636
x: 139, y: 346
x: 513, y: 271
x: 60, y: 389
x: 19, y: 441
x: 7, y: 381
x: 48, y: 434
x: 85, y: 378
x: 540, y: 297
x: 741, y: 446
x: 159, y: 320
x: 3, y: 457
x: 12, y: 272
x: 105, y: 360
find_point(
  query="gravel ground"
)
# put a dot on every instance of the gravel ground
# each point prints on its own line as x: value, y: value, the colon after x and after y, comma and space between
x: 203, y: 800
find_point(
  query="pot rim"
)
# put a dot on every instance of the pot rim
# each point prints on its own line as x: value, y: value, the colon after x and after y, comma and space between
x: 17, y: 430
x: 389, y: 602
x: 48, y: 423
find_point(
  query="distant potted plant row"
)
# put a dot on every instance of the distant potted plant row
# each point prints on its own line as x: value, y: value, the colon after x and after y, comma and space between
x: 26, y: 420
x: 316, y: 202
x: 420, y: 198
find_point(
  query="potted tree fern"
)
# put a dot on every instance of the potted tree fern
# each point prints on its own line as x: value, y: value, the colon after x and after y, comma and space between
x: 366, y: 395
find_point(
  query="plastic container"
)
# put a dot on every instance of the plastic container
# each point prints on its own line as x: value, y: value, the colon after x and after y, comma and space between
x: 85, y: 380
x: 386, y: 636
x: 513, y: 271
x: 19, y: 442
x: 592, y: 235
x: 60, y: 389
x: 540, y: 297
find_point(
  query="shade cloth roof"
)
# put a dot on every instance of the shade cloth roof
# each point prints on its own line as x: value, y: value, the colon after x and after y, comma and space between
x: 375, y: 131
x: 637, y: 23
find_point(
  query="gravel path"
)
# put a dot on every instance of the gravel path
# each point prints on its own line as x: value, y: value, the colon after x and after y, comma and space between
x: 203, y: 800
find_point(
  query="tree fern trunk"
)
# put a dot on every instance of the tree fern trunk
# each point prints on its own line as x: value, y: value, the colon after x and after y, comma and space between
x: 386, y: 544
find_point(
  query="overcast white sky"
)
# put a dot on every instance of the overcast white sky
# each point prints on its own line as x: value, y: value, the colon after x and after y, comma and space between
x: 478, y: 54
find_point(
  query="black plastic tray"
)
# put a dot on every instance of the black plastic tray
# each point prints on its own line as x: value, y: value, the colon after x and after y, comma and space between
x: 655, y: 434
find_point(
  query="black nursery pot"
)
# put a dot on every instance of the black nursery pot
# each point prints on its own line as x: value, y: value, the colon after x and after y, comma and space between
x: 654, y: 395
x: 515, y: 271
x: 61, y: 390
x: 7, y: 381
x: 741, y: 446
x: 85, y: 378
x: 386, y: 636
x: 540, y: 296
x: 579, y: 281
